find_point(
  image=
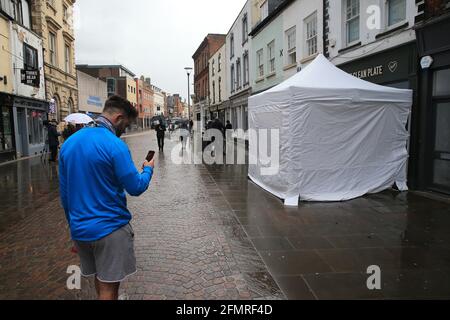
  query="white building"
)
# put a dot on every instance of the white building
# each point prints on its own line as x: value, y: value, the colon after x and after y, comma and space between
x: 159, y: 101
x: 218, y: 83
x: 302, y: 35
x: 92, y: 93
x: 358, y: 28
x: 30, y: 108
x: 238, y: 47
x: 286, y: 39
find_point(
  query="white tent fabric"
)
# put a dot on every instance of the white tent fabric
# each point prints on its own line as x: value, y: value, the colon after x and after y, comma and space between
x: 340, y: 137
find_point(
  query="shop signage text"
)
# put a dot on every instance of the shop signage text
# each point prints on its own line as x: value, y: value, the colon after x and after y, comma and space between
x: 31, y: 77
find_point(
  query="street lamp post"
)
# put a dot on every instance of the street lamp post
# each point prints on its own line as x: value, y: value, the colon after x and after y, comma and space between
x: 188, y: 71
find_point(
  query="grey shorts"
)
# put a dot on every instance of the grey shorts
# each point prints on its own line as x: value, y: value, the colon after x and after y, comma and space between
x: 111, y: 259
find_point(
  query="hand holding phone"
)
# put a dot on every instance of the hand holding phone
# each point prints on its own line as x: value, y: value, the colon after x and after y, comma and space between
x: 150, y: 162
x: 150, y: 156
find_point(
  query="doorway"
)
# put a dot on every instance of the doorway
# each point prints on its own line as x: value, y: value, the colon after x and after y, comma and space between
x: 439, y: 157
x: 22, y: 139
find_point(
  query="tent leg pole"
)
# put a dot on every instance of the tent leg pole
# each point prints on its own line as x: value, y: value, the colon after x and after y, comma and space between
x: 291, y: 202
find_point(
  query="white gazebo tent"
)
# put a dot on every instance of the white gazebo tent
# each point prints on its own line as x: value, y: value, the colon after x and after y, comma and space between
x: 340, y: 137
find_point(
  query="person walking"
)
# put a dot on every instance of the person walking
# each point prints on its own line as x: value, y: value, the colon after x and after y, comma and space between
x: 191, y: 126
x: 160, y: 135
x: 229, y: 126
x: 53, y: 140
x: 96, y: 169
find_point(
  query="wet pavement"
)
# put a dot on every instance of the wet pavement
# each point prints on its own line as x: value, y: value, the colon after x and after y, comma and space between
x: 323, y: 250
x: 206, y: 232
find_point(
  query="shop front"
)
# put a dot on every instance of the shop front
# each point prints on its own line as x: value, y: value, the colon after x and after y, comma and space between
x: 395, y: 67
x: 238, y: 110
x: 29, y: 115
x: 7, y: 138
x: 434, y: 54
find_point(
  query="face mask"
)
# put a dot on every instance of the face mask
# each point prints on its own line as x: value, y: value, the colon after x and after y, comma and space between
x: 120, y: 128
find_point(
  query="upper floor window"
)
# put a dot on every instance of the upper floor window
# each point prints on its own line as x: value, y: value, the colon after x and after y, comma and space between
x: 396, y: 11
x: 213, y: 71
x: 232, y: 78
x: 219, y: 63
x: 311, y: 34
x: 352, y: 20
x: 111, y: 85
x: 30, y: 58
x: 65, y: 13
x: 246, y: 69
x: 238, y: 73
x: 271, y: 56
x: 260, y: 60
x: 244, y: 29
x: 67, y: 58
x: 220, y: 89
x: 52, y: 47
x: 232, y: 46
x: 291, y: 40
x: 264, y: 10
x: 7, y: 6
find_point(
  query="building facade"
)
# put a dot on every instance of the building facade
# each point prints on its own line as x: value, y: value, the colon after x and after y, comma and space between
x: 218, y: 84
x: 92, y: 94
x: 24, y: 108
x: 119, y: 80
x: 7, y: 138
x: 160, y: 101
x: 285, y: 41
x: 207, y: 48
x: 238, y: 47
x: 145, y: 101
x: 53, y: 22
x: 432, y: 168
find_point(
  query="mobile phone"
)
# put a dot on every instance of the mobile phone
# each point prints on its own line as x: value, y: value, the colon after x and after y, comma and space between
x: 150, y: 155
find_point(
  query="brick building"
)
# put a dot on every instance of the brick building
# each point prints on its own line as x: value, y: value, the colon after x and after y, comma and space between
x: 205, y: 51
x: 145, y: 98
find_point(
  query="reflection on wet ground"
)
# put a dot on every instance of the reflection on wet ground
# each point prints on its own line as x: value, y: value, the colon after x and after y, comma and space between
x: 206, y: 232
x: 323, y: 250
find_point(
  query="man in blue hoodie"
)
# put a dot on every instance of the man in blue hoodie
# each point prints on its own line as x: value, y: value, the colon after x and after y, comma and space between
x: 96, y: 169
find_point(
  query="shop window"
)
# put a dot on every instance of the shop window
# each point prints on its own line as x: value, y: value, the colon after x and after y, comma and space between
x: 35, y: 127
x: 441, y: 83
x: 6, y: 135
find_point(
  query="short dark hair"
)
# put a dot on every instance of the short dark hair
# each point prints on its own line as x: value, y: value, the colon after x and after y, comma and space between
x: 118, y: 104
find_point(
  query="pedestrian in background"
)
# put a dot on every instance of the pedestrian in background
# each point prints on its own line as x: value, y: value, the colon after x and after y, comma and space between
x: 160, y: 135
x: 96, y: 169
x: 229, y: 126
x: 53, y: 141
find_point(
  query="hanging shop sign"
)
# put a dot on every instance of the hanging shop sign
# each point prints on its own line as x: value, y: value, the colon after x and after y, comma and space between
x: 31, y: 77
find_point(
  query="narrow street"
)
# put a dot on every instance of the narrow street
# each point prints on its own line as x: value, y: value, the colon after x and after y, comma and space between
x: 206, y: 232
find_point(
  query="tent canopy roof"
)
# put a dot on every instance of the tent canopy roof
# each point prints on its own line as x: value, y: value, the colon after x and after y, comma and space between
x: 322, y: 74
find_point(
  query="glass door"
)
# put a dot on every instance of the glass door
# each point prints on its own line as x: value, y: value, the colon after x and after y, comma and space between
x: 440, y: 156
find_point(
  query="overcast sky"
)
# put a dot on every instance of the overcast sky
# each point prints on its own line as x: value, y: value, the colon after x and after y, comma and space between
x: 155, y: 38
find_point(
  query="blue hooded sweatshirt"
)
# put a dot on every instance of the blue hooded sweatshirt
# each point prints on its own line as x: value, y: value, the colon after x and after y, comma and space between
x: 95, y: 170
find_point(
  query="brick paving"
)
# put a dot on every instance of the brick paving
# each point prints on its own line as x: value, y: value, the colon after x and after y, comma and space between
x: 189, y: 244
